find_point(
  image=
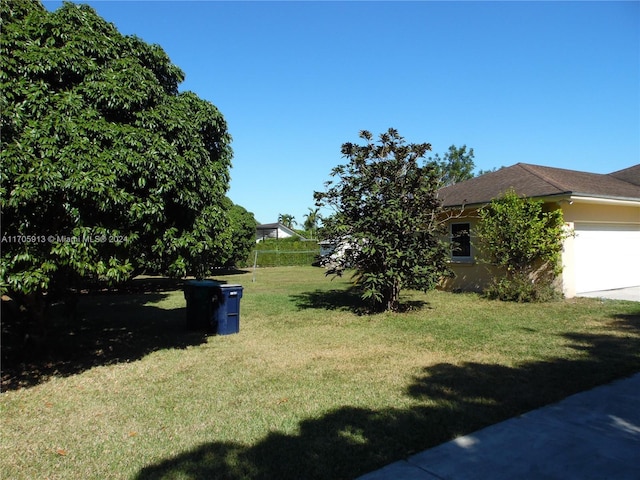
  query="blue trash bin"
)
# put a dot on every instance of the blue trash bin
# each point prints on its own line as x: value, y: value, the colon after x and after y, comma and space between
x: 227, y: 313
x: 201, y: 297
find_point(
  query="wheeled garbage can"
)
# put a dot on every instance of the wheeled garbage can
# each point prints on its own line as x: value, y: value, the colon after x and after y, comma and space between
x: 202, y: 298
x: 227, y: 314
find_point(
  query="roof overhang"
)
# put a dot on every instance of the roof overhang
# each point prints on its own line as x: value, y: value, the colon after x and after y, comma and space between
x: 623, y: 202
x: 568, y: 197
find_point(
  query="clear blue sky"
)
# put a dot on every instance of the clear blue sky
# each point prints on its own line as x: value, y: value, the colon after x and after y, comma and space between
x: 549, y: 83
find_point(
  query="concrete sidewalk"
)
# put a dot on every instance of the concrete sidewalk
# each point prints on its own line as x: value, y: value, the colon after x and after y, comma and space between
x: 630, y: 293
x: 590, y: 435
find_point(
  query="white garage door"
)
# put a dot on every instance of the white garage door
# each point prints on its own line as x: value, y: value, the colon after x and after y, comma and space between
x: 607, y: 256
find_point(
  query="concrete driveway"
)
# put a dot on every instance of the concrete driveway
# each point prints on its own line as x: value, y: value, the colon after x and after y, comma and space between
x: 632, y: 294
x: 594, y: 435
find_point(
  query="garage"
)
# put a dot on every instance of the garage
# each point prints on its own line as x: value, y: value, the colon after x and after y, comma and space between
x: 607, y: 256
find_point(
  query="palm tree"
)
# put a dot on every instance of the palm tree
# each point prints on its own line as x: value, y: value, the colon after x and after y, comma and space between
x: 287, y: 220
x: 311, y: 220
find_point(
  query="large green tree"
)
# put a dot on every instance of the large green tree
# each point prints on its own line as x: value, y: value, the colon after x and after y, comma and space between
x: 456, y: 165
x: 243, y: 234
x: 107, y: 169
x: 386, y: 219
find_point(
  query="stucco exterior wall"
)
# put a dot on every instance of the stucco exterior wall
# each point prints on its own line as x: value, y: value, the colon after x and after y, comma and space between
x: 590, y: 212
x: 469, y: 276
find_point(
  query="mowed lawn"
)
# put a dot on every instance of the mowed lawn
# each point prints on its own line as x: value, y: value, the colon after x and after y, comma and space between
x: 309, y: 388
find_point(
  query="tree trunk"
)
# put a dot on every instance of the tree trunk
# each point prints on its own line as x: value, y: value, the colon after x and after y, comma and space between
x: 37, y: 310
x: 392, y: 297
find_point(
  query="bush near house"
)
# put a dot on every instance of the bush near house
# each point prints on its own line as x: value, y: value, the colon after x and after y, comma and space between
x: 516, y: 234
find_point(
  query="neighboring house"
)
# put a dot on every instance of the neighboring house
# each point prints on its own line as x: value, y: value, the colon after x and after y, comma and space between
x: 275, y: 230
x: 332, y: 252
x: 603, y: 210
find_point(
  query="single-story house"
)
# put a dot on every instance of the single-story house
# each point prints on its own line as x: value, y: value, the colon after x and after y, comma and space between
x: 602, y: 210
x: 275, y: 230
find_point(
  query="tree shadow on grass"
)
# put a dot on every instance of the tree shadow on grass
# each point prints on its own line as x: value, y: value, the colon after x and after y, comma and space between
x: 452, y: 400
x: 348, y: 300
x: 335, y: 299
x: 505, y: 391
x: 627, y: 321
x: 109, y: 326
x: 335, y: 446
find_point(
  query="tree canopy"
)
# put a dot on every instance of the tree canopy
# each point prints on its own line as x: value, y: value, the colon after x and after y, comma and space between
x: 311, y: 221
x: 456, y: 165
x: 287, y: 220
x: 243, y: 234
x: 107, y: 168
x: 386, y: 217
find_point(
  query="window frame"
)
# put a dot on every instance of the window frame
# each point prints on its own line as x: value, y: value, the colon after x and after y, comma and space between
x: 466, y: 254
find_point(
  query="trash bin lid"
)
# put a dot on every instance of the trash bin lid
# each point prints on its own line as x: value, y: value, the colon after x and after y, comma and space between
x: 202, y: 283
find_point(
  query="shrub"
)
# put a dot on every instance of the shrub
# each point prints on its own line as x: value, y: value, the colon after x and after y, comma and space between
x: 516, y: 234
x: 521, y: 288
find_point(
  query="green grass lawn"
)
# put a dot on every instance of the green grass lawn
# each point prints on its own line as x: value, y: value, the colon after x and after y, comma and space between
x: 309, y: 388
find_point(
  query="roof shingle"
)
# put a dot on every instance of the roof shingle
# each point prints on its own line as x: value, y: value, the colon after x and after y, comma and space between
x: 538, y: 181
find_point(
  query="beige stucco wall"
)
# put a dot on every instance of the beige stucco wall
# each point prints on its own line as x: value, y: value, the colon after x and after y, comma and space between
x: 580, y: 211
x: 469, y: 276
x: 567, y: 277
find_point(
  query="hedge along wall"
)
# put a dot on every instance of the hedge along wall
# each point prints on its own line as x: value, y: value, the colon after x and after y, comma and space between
x: 284, y: 252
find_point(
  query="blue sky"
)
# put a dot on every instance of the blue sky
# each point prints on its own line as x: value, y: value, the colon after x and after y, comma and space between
x: 549, y: 83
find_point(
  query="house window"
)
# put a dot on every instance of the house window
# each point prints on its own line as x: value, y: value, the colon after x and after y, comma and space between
x: 460, y: 240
